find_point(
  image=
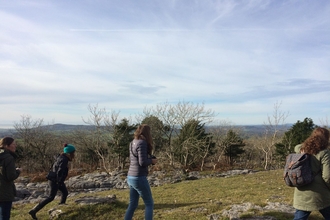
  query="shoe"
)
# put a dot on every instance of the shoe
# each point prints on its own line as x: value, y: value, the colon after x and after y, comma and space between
x: 33, y: 214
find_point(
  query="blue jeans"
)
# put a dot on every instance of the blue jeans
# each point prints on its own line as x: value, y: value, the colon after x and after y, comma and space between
x: 5, y: 208
x: 303, y: 215
x: 139, y: 186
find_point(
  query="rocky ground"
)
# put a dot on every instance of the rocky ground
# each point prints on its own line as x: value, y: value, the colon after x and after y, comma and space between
x: 34, y: 192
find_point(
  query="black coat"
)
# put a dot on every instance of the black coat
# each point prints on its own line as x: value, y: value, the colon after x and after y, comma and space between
x: 60, y: 168
x: 8, y: 173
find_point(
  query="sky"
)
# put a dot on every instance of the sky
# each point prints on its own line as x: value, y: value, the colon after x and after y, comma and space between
x: 237, y: 58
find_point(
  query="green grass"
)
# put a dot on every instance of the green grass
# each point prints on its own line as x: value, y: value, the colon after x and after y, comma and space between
x: 185, y: 201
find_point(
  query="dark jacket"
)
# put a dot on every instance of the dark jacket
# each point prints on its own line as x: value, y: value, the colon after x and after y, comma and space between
x: 316, y: 195
x: 8, y: 174
x: 139, y: 159
x: 60, y: 167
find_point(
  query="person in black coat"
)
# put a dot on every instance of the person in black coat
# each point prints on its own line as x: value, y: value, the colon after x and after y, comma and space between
x: 8, y: 173
x: 56, y: 178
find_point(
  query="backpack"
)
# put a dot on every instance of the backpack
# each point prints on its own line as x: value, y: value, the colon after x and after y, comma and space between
x: 52, y: 175
x: 298, y: 170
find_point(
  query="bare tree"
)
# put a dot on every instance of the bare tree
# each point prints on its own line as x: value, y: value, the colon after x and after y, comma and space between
x: 38, y: 142
x: 219, y: 132
x: 174, y: 116
x: 272, y: 134
x: 98, y: 138
x: 325, y: 122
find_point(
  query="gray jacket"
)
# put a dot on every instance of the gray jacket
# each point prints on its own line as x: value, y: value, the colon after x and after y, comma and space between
x: 139, y: 159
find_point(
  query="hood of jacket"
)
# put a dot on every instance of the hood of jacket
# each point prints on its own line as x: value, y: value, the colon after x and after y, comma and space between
x: 6, y: 153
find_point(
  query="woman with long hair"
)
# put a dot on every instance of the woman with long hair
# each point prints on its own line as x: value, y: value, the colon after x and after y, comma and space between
x: 140, y: 158
x: 60, y: 171
x: 316, y: 195
x: 8, y: 173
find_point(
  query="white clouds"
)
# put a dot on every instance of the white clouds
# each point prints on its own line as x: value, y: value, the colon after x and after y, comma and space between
x: 238, y: 57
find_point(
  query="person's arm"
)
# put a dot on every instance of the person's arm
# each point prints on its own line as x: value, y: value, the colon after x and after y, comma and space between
x: 325, y: 161
x: 62, y: 171
x: 142, y: 149
x: 11, y: 172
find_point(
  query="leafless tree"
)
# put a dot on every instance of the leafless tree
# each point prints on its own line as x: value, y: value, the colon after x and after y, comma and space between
x: 272, y: 134
x: 39, y: 144
x: 98, y: 137
x: 219, y: 132
x: 174, y: 116
x: 324, y: 122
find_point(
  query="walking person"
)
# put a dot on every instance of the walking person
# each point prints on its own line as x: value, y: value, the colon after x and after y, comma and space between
x: 316, y: 195
x: 8, y: 173
x: 60, y: 171
x: 140, y: 158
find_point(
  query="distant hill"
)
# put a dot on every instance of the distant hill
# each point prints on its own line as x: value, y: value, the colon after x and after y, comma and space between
x: 55, y: 128
x: 255, y: 130
x: 66, y: 127
x: 6, y: 132
x: 247, y: 130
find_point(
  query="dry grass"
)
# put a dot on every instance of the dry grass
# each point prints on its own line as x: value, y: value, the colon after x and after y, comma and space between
x: 186, y: 200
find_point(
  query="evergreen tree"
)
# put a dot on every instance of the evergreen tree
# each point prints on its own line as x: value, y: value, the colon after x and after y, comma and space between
x: 233, y: 145
x: 297, y: 134
x: 122, y: 136
x: 192, y: 144
x: 157, y: 131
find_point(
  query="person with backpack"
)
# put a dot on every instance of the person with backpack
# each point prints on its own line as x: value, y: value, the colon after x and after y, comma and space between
x: 315, y: 196
x: 8, y: 173
x: 140, y: 158
x: 60, y: 171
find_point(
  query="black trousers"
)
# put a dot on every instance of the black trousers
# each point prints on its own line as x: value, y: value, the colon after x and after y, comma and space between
x: 54, y: 187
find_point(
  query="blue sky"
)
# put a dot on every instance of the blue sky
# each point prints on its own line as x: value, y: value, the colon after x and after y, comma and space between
x: 239, y: 58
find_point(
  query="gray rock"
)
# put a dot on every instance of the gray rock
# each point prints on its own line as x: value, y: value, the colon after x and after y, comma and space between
x: 28, y: 192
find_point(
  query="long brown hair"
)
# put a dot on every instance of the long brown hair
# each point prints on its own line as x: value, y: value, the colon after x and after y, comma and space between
x: 6, y: 141
x: 317, y: 141
x: 143, y: 132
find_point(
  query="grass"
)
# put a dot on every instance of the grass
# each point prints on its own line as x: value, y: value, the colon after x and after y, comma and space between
x: 185, y: 200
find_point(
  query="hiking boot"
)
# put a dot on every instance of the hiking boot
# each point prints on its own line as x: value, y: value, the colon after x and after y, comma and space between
x: 32, y: 212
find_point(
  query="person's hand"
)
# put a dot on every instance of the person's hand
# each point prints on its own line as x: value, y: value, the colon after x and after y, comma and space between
x: 154, y: 161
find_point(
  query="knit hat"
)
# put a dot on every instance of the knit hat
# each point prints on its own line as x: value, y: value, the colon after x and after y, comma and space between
x: 69, y: 148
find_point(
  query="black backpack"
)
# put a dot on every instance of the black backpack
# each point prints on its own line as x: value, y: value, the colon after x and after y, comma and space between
x: 298, y: 170
x: 52, y: 175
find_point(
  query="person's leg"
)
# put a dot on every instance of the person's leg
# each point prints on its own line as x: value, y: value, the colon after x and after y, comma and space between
x: 133, y: 197
x: 5, y: 208
x: 53, y: 191
x: 64, y: 192
x: 326, y: 213
x: 145, y: 192
x: 301, y: 215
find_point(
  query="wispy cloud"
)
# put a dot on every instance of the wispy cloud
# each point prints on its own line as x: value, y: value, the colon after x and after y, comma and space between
x: 237, y: 57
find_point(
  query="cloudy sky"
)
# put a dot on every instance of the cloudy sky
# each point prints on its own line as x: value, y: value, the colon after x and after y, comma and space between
x: 239, y: 58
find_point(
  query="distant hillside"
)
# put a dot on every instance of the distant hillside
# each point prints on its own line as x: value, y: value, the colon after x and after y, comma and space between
x: 247, y: 130
x: 255, y: 130
x: 65, y: 127
x: 55, y: 128
x: 6, y: 132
